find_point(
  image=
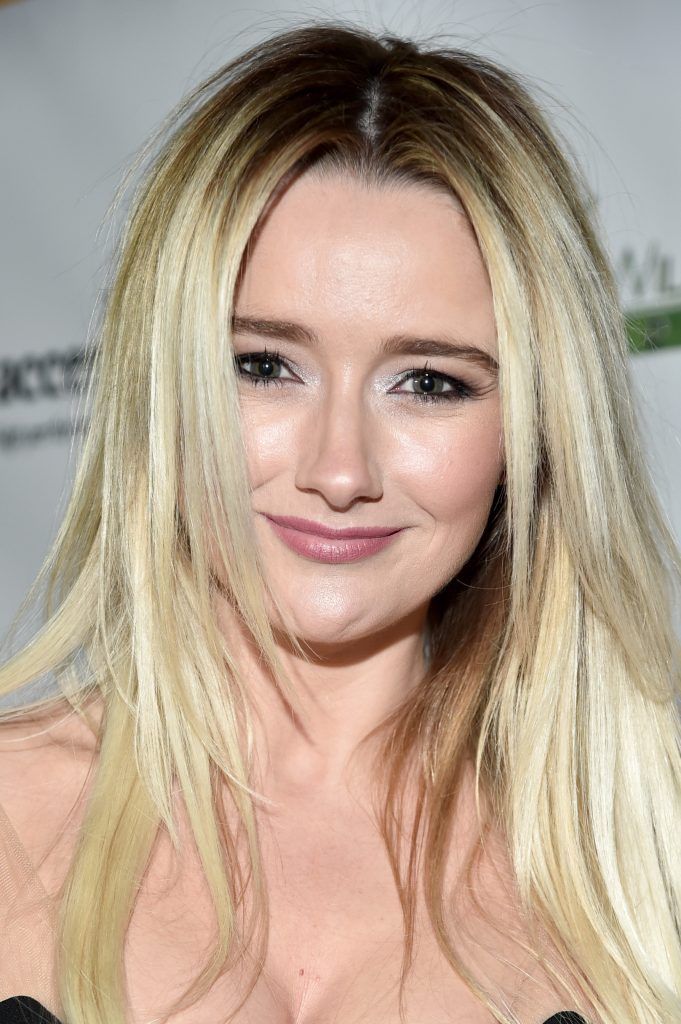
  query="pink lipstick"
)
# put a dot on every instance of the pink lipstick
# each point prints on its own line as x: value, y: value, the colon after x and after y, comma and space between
x: 326, y: 544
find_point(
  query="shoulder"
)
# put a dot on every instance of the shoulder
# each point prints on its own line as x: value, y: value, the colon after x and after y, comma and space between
x: 45, y: 767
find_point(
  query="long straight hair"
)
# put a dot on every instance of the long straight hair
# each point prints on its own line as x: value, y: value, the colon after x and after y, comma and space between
x: 553, y: 659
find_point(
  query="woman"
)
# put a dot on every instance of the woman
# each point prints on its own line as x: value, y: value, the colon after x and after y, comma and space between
x: 361, y: 605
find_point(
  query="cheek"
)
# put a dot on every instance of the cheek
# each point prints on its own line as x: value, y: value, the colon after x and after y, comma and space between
x: 453, y: 469
x: 269, y: 439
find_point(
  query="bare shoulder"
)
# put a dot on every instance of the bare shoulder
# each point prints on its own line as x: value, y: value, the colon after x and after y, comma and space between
x: 45, y: 762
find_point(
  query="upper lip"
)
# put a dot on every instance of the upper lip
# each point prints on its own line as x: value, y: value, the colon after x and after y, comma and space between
x: 309, y: 526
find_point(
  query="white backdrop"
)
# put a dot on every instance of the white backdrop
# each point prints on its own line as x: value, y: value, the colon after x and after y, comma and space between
x: 83, y: 82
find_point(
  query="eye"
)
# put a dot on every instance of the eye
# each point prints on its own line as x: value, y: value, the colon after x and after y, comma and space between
x: 268, y: 367
x: 434, y: 386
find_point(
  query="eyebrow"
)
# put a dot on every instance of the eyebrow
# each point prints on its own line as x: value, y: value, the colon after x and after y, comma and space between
x: 396, y: 344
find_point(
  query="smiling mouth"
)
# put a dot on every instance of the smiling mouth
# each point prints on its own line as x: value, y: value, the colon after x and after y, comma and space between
x: 342, y: 548
x: 320, y: 530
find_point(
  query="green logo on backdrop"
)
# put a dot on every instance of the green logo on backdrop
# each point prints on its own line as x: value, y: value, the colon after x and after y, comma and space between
x: 654, y: 328
x: 653, y: 307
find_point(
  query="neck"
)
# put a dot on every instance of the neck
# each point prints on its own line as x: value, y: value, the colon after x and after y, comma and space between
x: 342, y: 693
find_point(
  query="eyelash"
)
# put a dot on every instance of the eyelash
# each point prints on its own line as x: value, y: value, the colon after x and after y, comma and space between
x: 459, y: 392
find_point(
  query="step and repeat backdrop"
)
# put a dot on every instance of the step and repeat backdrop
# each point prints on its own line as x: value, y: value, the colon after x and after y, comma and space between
x: 84, y: 82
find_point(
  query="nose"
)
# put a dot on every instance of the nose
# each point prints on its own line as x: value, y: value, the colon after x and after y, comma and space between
x: 338, y: 456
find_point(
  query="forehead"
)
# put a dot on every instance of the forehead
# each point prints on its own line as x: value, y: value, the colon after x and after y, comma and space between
x: 331, y: 247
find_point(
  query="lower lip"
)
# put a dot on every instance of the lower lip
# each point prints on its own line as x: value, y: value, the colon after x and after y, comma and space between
x: 326, y: 549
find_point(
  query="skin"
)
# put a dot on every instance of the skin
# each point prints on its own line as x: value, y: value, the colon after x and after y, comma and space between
x: 345, y: 441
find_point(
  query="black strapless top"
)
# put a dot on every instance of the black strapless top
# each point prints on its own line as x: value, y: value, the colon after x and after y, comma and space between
x: 25, y: 1010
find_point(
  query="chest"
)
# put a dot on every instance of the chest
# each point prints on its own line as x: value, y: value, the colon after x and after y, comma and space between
x: 335, y: 940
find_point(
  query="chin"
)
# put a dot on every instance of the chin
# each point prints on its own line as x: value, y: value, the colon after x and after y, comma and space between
x: 326, y: 619
x: 324, y: 634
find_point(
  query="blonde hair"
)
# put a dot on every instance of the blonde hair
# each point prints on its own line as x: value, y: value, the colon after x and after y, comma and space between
x: 553, y: 657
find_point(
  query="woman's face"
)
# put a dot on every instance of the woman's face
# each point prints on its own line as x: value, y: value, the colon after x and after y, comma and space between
x: 343, y: 425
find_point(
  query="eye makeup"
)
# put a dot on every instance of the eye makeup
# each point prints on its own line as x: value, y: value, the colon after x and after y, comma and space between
x: 433, y: 381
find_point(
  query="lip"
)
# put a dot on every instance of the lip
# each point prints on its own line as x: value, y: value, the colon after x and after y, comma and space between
x: 319, y: 530
x: 348, y: 547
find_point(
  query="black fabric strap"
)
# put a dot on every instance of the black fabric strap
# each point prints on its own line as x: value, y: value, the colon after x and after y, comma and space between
x: 25, y: 1010
x: 564, y: 1017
